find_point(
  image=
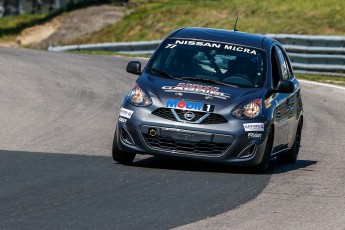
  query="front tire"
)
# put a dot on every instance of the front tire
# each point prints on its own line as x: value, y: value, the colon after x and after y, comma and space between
x: 120, y: 156
x: 290, y: 157
x: 264, y: 165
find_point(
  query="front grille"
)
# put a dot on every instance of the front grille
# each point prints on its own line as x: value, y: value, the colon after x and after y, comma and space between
x: 215, y: 119
x: 166, y: 113
x: 167, y: 143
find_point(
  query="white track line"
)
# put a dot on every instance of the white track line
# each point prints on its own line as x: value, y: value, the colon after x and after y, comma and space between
x: 322, y: 84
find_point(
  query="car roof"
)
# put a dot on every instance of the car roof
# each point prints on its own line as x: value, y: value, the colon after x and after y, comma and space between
x: 220, y: 35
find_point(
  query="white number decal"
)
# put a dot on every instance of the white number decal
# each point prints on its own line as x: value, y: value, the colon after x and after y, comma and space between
x: 170, y: 46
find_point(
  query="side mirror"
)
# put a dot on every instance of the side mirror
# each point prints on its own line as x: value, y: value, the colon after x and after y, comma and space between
x: 285, y: 86
x: 134, y: 67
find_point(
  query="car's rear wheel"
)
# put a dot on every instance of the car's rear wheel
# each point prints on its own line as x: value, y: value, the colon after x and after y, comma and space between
x: 120, y: 156
x: 290, y: 157
x: 264, y: 165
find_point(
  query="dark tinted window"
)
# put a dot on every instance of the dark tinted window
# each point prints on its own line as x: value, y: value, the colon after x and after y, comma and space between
x: 275, y: 68
x: 283, y: 63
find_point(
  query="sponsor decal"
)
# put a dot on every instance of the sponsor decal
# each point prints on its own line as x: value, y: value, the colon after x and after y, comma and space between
x: 126, y: 113
x: 204, y: 90
x: 212, y: 45
x: 122, y: 120
x: 189, y: 105
x: 240, y: 49
x: 254, y: 127
x: 268, y: 102
x: 254, y: 135
x: 170, y: 46
x: 281, y: 101
x: 198, y: 43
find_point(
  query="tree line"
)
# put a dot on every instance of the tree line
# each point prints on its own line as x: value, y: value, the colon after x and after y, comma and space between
x: 16, y: 7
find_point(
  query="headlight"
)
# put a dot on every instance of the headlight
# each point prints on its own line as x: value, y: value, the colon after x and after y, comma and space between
x: 248, y: 110
x: 138, y: 97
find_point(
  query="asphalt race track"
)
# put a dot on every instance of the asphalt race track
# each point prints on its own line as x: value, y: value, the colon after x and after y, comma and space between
x: 58, y: 114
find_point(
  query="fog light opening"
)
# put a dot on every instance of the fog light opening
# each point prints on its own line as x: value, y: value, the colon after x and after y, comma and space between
x: 126, y: 137
x: 248, y: 152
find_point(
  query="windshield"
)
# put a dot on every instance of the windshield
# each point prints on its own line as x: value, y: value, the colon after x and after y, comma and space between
x: 221, y: 63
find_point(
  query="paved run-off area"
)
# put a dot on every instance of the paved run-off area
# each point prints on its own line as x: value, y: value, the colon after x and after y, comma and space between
x: 58, y: 114
x: 312, y: 195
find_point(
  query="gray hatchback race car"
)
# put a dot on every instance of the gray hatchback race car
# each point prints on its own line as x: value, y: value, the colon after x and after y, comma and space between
x: 216, y: 95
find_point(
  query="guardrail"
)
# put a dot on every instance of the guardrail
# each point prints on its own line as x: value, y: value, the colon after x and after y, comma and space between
x: 323, y: 55
x: 144, y: 47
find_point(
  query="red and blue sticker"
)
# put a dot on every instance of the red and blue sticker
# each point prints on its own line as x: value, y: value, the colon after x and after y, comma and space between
x: 189, y: 105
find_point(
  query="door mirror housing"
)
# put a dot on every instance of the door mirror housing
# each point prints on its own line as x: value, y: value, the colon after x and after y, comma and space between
x: 285, y: 86
x: 134, y: 67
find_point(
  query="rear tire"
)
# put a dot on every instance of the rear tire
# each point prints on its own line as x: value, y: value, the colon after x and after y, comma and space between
x: 120, y: 156
x: 264, y: 165
x: 290, y: 157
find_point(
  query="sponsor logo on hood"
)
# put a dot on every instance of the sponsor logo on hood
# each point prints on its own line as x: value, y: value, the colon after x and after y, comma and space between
x: 207, y: 91
x: 189, y: 105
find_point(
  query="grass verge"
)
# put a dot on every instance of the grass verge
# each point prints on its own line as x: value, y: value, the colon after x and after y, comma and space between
x: 333, y: 80
x: 14, y: 24
x: 151, y: 20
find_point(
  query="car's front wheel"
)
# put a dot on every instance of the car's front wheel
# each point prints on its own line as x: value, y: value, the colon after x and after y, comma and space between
x: 264, y: 165
x: 120, y: 156
x: 290, y: 157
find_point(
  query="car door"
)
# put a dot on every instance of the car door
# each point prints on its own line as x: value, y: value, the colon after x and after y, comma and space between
x: 293, y: 99
x: 283, y: 101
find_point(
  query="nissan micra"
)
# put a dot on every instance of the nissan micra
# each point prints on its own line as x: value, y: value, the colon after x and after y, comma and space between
x: 216, y: 95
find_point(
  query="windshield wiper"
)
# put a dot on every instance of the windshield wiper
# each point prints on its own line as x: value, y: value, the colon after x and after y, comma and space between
x: 207, y: 80
x: 162, y: 73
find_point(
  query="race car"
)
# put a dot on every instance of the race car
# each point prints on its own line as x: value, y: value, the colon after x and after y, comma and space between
x: 215, y: 95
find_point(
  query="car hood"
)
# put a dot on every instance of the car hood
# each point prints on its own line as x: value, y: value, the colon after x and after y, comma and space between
x: 164, y: 90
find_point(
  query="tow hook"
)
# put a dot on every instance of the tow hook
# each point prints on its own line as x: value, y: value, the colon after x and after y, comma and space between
x: 152, y: 132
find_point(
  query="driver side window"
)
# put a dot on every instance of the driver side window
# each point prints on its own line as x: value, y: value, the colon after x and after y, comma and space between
x: 275, y: 68
x: 283, y: 64
x: 280, y: 66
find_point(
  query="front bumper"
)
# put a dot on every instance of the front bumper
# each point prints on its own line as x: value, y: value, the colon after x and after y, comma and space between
x: 145, y: 133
